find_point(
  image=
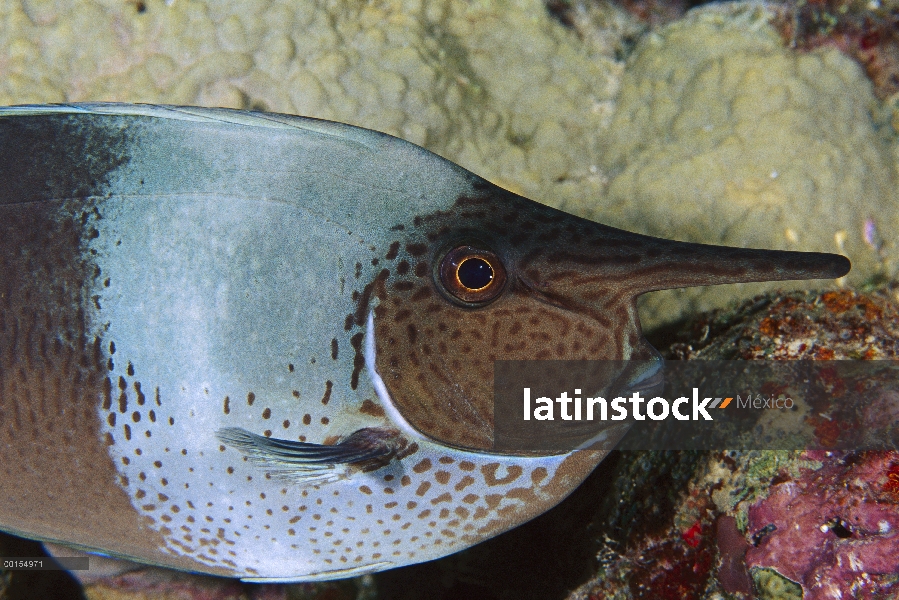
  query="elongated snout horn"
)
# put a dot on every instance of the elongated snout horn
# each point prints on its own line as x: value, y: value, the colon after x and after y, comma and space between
x: 672, y: 264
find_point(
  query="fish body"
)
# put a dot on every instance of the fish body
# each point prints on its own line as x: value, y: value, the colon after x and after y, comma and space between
x: 244, y: 344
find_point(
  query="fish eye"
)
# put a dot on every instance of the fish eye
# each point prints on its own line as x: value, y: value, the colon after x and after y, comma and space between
x: 471, y: 275
x: 474, y: 273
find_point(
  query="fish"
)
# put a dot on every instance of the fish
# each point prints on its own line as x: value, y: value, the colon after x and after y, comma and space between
x: 261, y: 346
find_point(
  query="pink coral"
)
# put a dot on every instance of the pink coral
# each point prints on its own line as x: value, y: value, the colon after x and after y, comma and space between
x: 835, y: 530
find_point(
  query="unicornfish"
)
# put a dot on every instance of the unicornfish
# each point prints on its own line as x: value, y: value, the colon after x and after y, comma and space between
x: 261, y: 346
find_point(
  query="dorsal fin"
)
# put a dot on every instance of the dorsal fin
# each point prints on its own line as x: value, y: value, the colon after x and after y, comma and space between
x: 365, y: 137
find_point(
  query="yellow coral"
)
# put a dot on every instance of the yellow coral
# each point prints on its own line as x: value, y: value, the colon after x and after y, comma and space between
x: 723, y: 135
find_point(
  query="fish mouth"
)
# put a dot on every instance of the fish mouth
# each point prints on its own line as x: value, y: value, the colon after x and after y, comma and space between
x: 652, y: 383
x: 648, y: 380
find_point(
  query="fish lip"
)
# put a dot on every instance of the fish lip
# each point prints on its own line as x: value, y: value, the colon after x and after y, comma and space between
x: 650, y: 383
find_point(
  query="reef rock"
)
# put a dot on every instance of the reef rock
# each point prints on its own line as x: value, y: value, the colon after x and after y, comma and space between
x: 774, y: 525
x: 833, y: 530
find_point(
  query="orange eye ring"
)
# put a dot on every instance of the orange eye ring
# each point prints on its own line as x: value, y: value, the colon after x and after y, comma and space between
x: 471, y: 275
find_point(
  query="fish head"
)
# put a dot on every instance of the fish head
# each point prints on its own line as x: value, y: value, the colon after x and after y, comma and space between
x: 500, y: 277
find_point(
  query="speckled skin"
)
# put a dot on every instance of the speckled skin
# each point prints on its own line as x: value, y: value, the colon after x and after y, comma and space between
x: 168, y: 272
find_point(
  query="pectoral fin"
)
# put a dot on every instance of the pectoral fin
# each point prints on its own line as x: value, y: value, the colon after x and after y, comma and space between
x: 315, y: 464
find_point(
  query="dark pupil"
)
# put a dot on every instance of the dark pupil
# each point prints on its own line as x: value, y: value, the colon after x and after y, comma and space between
x: 475, y: 273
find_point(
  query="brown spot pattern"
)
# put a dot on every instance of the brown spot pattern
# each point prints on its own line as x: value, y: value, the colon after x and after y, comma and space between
x: 370, y: 408
x: 489, y: 473
x: 327, y: 396
x: 422, y: 466
x: 464, y: 483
